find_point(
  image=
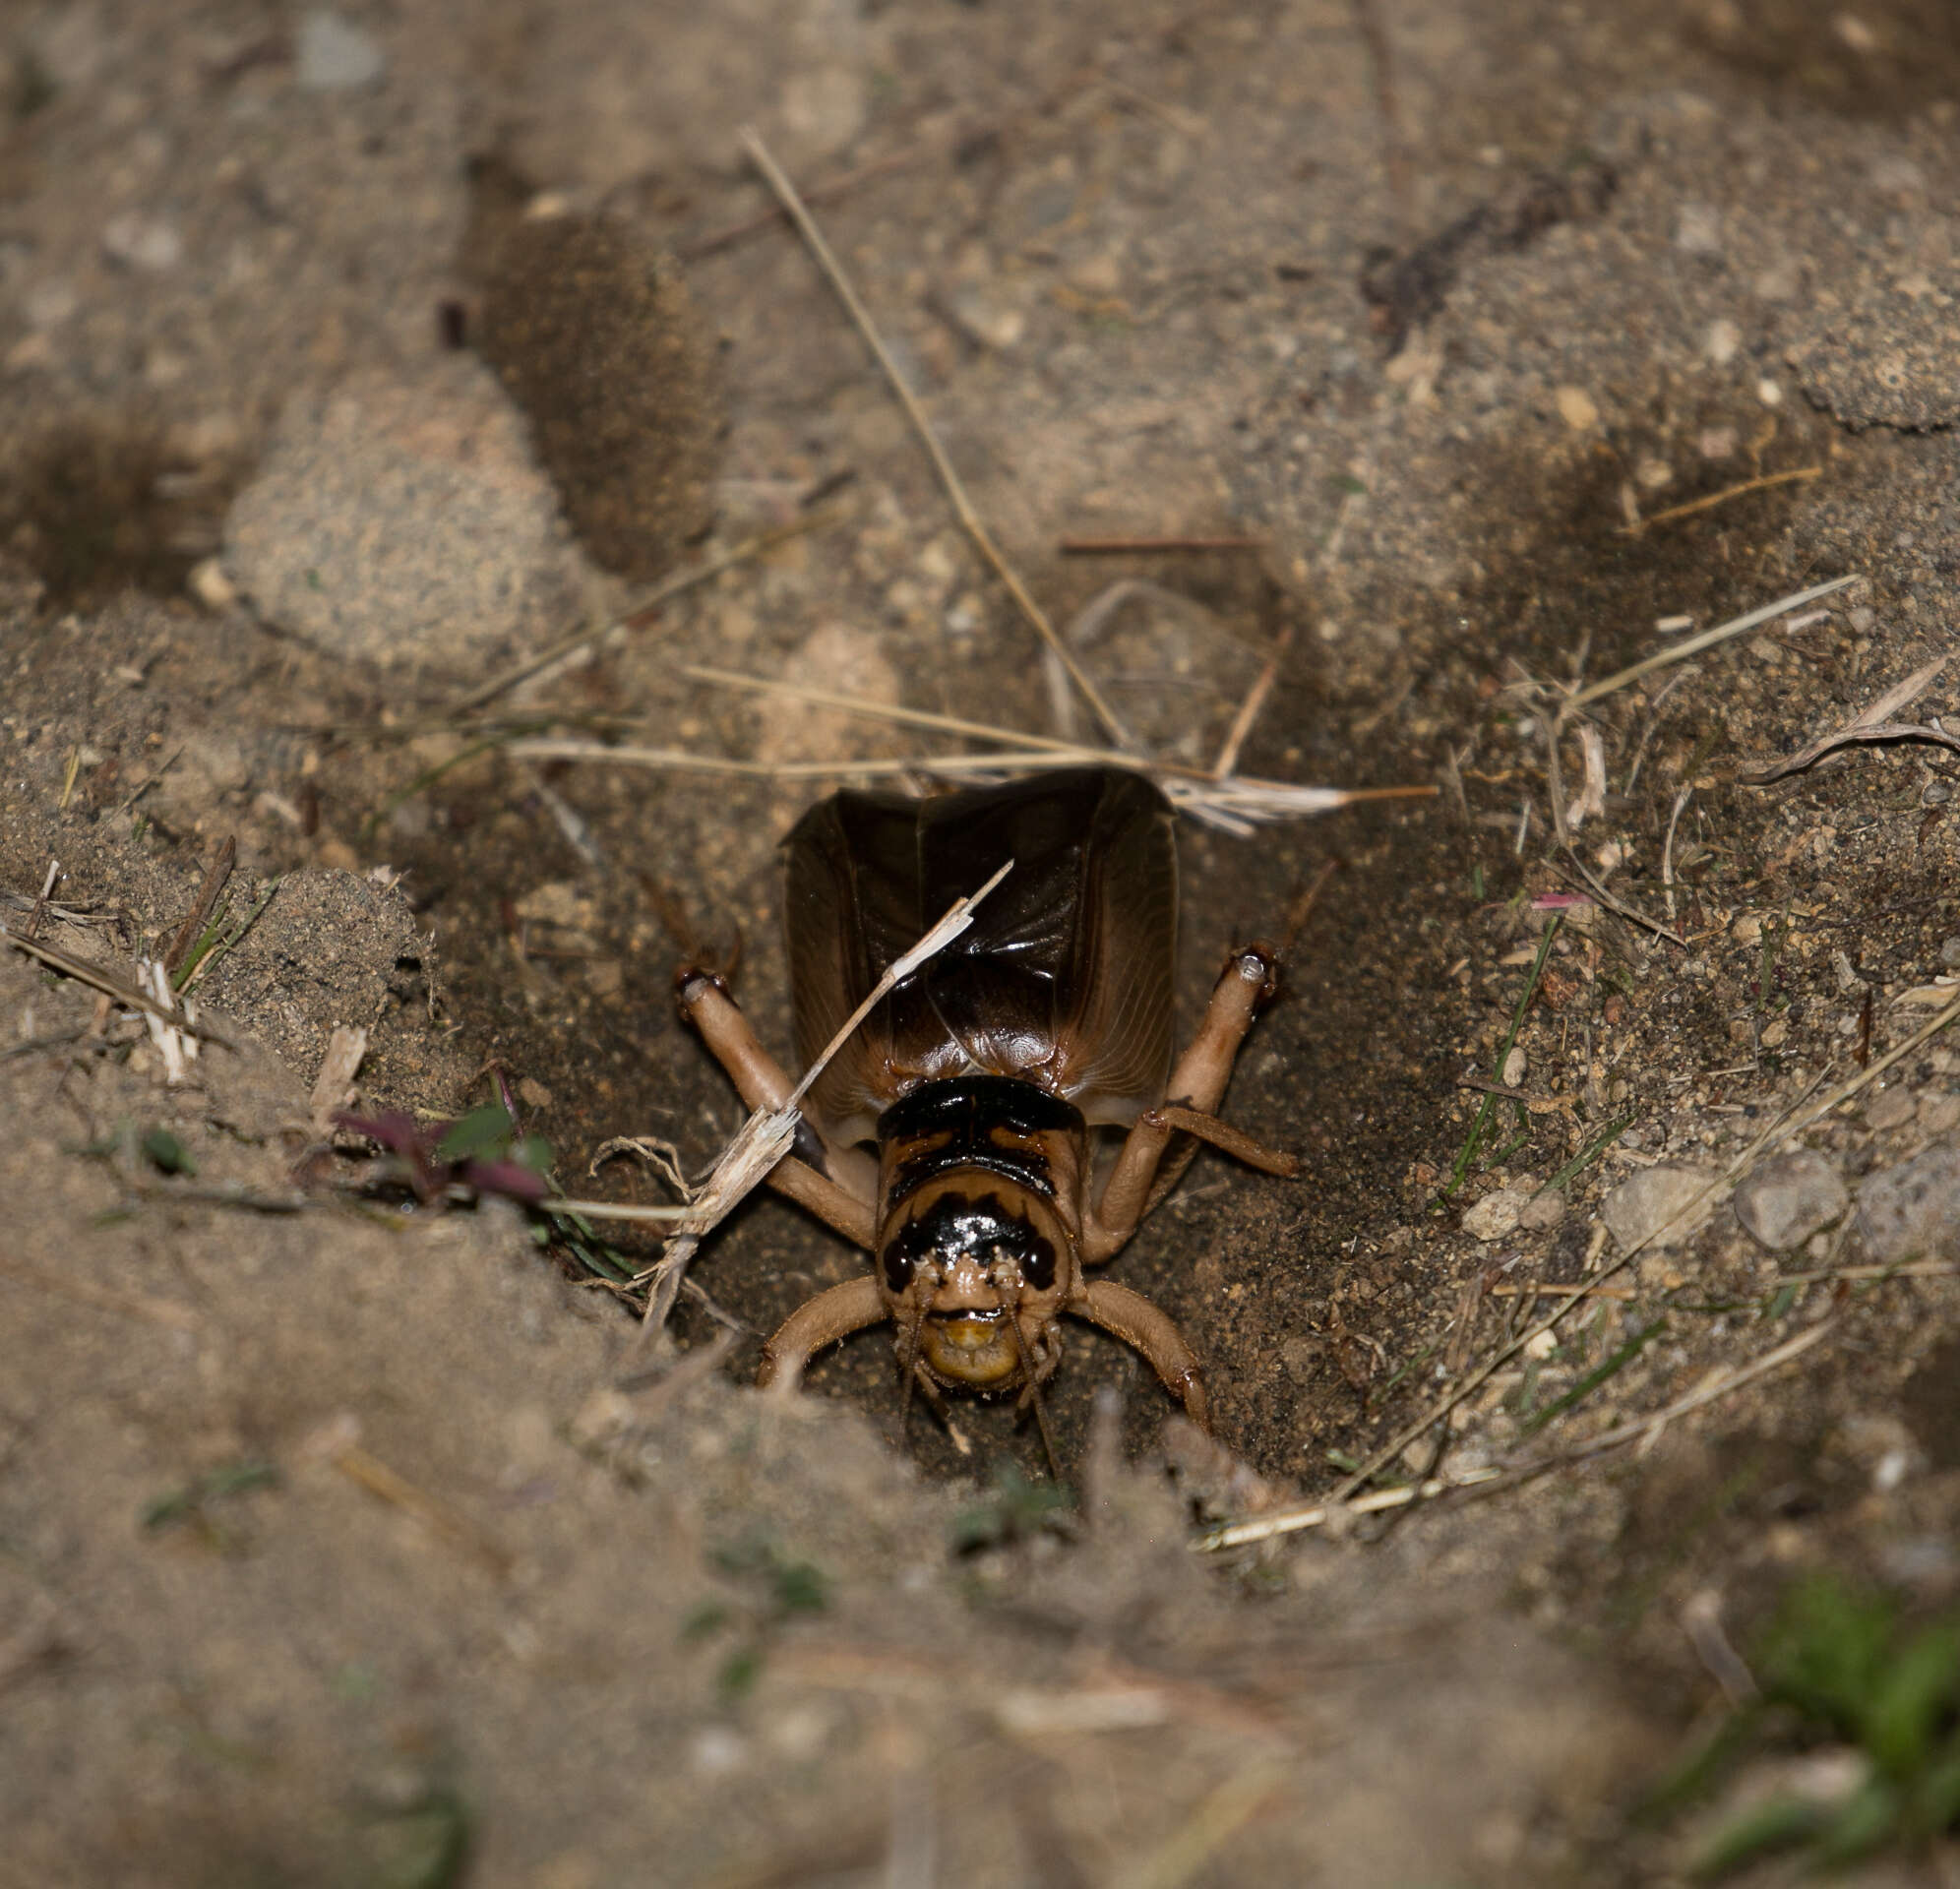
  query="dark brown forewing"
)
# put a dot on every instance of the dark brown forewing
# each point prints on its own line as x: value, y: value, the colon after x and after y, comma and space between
x: 1065, y: 977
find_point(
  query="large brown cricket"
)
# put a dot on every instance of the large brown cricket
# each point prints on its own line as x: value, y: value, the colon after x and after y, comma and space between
x: 980, y: 1076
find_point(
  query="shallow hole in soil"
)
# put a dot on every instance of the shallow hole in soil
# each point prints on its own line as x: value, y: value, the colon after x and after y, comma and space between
x: 97, y: 507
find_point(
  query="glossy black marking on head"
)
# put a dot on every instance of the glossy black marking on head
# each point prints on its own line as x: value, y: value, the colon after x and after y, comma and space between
x: 955, y: 1227
x: 961, y: 1118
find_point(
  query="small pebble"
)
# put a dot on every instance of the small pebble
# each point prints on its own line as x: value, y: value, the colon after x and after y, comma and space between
x: 1724, y: 338
x: 1496, y: 1214
x: 150, y: 243
x: 333, y: 54
x: 1949, y: 953
x: 1515, y: 1068
x: 1913, y: 1212
x: 1543, y: 1211
x: 1699, y: 230
x: 1938, y: 1113
x: 1892, y: 1109
x: 1784, y: 1201
x: 1658, y: 1206
x: 1577, y: 408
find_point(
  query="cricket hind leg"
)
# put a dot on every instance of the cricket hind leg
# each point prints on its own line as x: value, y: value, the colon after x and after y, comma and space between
x: 839, y: 1185
x: 1197, y: 1086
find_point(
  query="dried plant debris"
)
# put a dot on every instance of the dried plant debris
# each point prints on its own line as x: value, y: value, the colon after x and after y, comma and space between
x: 1869, y: 725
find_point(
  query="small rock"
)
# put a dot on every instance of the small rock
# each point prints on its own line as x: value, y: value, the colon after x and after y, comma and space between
x: 208, y: 582
x: 1949, y: 953
x: 1938, y: 1113
x: 333, y: 54
x: 1658, y: 1206
x: 1913, y: 1212
x: 1699, y: 230
x: 1497, y: 1214
x: 1577, y: 408
x: 1722, y: 341
x: 1784, y: 1201
x: 149, y: 243
x: 1892, y: 1109
x: 1543, y: 1211
x: 985, y: 315
x: 1515, y: 1068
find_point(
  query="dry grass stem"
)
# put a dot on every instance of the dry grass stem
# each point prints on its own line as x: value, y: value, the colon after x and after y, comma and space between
x: 1236, y: 805
x: 1248, y: 710
x: 785, y: 191
x: 1708, y: 503
x: 374, y: 1476
x: 1376, y: 1501
x: 1709, y: 639
x: 123, y: 992
x: 1872, y: 724
x: 1668, y: 849
x: 873, y: 710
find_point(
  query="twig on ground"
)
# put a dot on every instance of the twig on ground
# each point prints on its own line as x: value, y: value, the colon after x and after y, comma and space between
x: 1693, y: 645
x: 785, y: 191
x: 1872, y: 724
x: 1709, y: 501
x: 124, y: 993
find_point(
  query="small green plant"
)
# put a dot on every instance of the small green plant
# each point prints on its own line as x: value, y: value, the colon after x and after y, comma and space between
x: 1843, y: 1667
x: 1015, y: 1508
x: 774, y: 1590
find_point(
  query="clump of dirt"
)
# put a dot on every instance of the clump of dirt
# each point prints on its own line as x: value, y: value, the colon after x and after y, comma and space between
x: 591, y: 329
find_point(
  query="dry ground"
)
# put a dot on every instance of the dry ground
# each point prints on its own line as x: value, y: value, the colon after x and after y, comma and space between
x: 329, y: 1550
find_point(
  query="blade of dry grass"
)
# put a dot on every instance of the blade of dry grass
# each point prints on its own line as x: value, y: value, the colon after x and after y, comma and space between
x: 124, y: 993
x: 1871, y: 724
x: 1236, y: 803
x: 1709, y: 639
x: 1797, y: 475
x: 983, y: 539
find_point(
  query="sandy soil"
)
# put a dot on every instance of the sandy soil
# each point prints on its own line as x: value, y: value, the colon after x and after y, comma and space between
x: 348, y: 1542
